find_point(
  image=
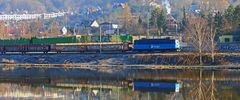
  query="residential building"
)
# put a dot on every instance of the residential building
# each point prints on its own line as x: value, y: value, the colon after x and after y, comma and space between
x: 172, y: 26
x: 17, y: 17
x: 109, y: 28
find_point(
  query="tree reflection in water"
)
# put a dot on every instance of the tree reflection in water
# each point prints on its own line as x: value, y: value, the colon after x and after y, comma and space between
x: 195, y: 85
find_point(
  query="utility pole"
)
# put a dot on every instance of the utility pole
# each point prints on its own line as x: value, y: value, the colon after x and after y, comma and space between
x: 100, y: 39
x: 148, y: 20
x: 75, y: 28
x: 148, y: 25
x: 96, y: 25
x: 178, y: 34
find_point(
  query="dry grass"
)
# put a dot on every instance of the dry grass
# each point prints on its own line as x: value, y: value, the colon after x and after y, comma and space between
x: 188, y: 59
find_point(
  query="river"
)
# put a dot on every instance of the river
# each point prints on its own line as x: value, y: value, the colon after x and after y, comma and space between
x: 118, y: 84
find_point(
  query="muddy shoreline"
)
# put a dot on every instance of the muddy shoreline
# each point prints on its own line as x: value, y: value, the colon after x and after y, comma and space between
x: 118, y: 59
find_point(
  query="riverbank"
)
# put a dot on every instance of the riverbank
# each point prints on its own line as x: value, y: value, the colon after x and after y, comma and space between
x: 118, y: 67
x: 175, y: 59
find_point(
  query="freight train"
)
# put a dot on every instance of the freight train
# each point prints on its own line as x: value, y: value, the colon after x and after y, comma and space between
x: 82, y: 44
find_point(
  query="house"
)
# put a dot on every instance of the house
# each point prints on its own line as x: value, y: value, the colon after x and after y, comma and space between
x: 194, y: 8
x: 227, y: 38
x: 233, y: 37
x: 93, y: 27
x: 118, y: 6
x: 171, y: 26
x: 109, y: 28
x: 85, y: 27
x: 17, y: 17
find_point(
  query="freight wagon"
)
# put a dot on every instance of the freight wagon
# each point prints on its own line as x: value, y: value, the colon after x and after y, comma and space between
x: 14, y: 41
x: 55, y: 40
x: 90, y: 47
x: 67, y: 48
x: 23, y: 48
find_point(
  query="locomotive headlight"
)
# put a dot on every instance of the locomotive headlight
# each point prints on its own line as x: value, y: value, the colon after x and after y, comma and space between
x: 177, y: 44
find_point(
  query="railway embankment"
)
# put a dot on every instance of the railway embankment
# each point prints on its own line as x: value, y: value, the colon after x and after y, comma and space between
x: 176, y: 59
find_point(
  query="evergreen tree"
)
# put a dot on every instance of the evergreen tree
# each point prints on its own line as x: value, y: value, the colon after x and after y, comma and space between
x: 140, y: 20
x: 229, y: 14
x: 237, y: 15
x: 218, y: 21
x: 159, y: 19
x: 232, y: 18
x: 184, y: 20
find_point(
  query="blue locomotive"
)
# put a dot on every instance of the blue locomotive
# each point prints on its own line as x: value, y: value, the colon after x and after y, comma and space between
x: 166, y: 44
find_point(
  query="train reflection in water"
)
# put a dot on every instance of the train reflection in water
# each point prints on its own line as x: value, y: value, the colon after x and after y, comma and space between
x: 158, y: 86
x: 76, y: 91
x: 128, y: 85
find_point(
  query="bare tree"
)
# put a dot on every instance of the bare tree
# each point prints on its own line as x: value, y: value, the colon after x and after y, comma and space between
x: 211, y: 36
x: 24, y: 29
x: 197, y: 32
x: 36, y: 27
x: 3, y: 30
x: 208, y: 6
x: 127, y: 17
x: 54, y: 29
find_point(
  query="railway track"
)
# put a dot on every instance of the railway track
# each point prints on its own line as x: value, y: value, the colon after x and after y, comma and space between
x: 128, y: 52
x: 127, y: 67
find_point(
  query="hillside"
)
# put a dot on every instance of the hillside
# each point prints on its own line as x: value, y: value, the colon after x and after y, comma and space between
x: 8, y: 6
x: 32, y: 6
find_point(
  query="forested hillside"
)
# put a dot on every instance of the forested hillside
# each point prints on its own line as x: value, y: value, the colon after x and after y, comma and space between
x: 43, y: 5
x: 58, y: 5
x: 50, y: 5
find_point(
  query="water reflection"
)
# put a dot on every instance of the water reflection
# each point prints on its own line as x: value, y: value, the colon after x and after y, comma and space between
x: 79, y: 84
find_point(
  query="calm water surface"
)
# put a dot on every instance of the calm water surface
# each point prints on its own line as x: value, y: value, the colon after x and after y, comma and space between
x: 118, y: 84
